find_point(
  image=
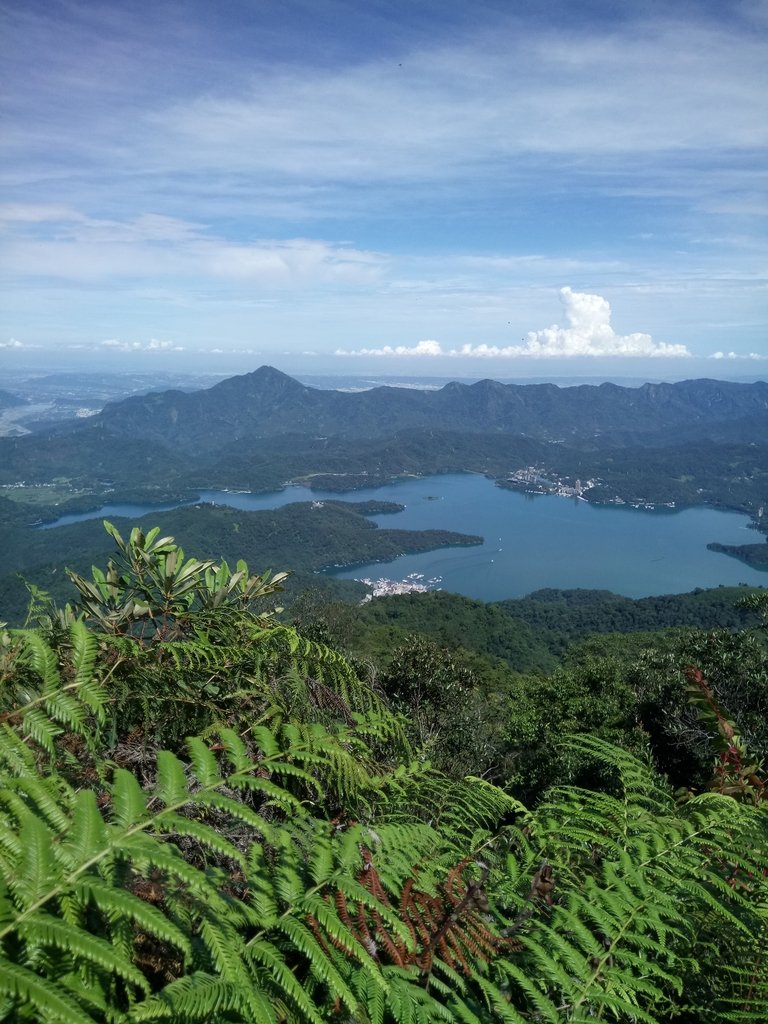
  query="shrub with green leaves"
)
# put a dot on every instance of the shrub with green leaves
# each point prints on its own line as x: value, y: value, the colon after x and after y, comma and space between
x: 290, y: 861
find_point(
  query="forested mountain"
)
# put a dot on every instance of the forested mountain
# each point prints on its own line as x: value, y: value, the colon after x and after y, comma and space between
x: 533, y: 633
x: 692, y: 443
x: 267, y: 402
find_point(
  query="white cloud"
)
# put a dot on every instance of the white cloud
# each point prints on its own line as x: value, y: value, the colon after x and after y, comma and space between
x: 423, y: 348
x: 35, y: 213
x: 494, y: 96
x: 229, y: 351
x: 589, y: 333
x: 12, y: 343
x: 291, y: 261
x: 737, y: 355
x: 154, y: 345
x: 218, y: 176
x: 239, y: 130
x: 71, y: 246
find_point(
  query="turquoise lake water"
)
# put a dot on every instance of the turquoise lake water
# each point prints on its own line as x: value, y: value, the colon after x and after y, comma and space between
x: 530, y: 542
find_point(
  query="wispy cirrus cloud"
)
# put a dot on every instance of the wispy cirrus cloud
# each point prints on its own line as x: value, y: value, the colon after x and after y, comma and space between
x: 509, y: 96
x: 497, y: 96
x: 62, y: 242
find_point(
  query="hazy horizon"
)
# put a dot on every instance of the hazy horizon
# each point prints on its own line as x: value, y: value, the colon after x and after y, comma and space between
x: 213, y: 371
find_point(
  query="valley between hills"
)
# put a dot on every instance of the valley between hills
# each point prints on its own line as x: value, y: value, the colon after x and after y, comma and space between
x: 688, y: 444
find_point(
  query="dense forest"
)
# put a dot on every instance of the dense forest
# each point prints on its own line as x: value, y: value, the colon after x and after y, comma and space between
x: 307, y: 536
x: 424, y: 810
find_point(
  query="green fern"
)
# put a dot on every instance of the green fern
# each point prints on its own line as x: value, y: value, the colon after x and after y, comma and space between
x: 640, y: 882
x: 97, y: 867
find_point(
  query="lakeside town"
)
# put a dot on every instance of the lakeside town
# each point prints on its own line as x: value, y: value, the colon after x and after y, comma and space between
x: 531, y: 480
x: 414, y: 583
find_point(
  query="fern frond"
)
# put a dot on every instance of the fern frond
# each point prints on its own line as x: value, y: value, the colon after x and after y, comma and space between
x: 171, y: 785
x: 201, y: 997
x: 129, y: 801
x: 318, y: 962
x: 48, y: 1000
x: 118, y: 904
x: 41, y: 729
x: 42, y: 795
x: 204, y: 763
x: 41, y: 929
x: 36, y: 867
x: 88, y: 833
x: 43, y: 661
x: 208, y: 838
x: 636, y: 879
x: 265, y: 955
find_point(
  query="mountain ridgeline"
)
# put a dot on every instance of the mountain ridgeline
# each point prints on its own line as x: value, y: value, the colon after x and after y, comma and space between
x: 692, y: 443
x: 268, y: 403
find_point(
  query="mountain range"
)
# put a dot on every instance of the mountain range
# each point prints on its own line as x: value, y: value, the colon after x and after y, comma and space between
x: 267, y: 403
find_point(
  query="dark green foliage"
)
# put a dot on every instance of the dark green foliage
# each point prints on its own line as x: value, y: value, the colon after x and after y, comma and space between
x: 692, y: 442
x: 592, y: 698
x: 736, y: 667
x: 563, y: 616
x: 267, y: 403
x: 450, y: 720
x: 754, y: 555
x: 639, y: 891
x: 731, y: 473
x: 306, y: 537
x: 628, y: 688
x: 533, y: 633
x: 290, y: 861
x: 453, y: 620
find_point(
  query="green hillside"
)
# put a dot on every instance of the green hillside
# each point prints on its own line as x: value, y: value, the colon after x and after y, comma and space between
x: 208, y: 815
x: 307, y: 536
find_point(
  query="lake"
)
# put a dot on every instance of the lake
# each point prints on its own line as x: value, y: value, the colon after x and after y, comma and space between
x: 530, y: 541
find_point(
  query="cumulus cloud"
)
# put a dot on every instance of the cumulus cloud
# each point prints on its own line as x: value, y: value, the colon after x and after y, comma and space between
x: 12, y: 343
x: 154, y: 345
x: 737, y: 355
x: 423, y: 348
x: 589, y: 333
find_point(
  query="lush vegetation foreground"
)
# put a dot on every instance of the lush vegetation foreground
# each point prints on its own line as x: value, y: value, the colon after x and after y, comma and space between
x: 207, y: 815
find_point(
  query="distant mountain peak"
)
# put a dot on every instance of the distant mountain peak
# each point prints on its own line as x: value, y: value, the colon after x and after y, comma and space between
x: 267, y: 402
x: 271, y: 373
x: 264, y: 379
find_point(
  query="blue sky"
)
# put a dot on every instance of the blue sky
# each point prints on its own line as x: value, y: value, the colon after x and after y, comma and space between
x: 468, y: 189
